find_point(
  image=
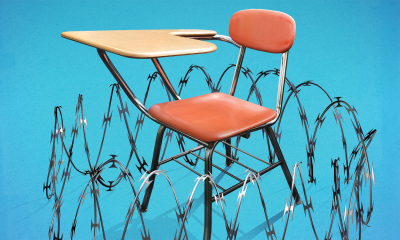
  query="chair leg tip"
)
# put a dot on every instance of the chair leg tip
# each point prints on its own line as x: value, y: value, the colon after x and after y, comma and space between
x: 143, y: 209
x: 229, y: 165
x: 298, y: 201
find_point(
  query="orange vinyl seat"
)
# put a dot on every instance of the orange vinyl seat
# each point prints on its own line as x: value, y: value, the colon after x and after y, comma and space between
x: 212, y: 117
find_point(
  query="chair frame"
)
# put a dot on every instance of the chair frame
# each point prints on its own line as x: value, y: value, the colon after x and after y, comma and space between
x: 210, y: 147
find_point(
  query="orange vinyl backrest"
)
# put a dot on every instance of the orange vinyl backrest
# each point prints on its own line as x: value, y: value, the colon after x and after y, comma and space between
x: 263, y: 30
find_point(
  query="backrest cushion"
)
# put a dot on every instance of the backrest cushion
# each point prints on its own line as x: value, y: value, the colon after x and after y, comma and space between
x: 263, y: 30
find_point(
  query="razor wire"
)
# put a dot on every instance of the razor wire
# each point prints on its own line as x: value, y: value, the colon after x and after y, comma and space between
x: 364, y: 169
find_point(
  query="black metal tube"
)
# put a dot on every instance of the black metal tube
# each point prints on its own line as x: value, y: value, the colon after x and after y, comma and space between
x: 208, y: 193
x: 228, y: 152
x: 154, y: 166
x: 165, y: 79
x: 284, y: 166
x: 230, y: 145
x: 180, y: 155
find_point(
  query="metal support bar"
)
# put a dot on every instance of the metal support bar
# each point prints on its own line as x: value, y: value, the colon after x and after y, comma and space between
x: 236, y: 161
x: 180, y: 155
x: 238, y: 185
x: 106, y: 60
x: 237, y: 70
x: 165, y: 79
x: 222, y: 170
x: 228, y: 152
x: 154, y: 166
x: 208, y: 191
x: 219, y: 37
x: 281, y: 85
x: 246, y: 153
x: 284, y: 166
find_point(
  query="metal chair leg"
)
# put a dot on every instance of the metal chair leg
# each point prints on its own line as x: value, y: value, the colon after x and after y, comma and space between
x: 284, y: 166
x: 154, y: 166
x: 208, y: 193
x: 228, y: 152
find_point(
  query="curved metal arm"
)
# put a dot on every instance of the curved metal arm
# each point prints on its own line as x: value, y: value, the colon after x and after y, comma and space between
x: 226, y: 39
x: 239, y: 61
x: 281, y: 86
x: 165, y: 79
x: 219, y: 37
x: 122, y: 83
x: 237, y: 70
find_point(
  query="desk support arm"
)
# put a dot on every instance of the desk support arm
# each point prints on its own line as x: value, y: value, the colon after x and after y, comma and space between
x: 220, y: 38
x: 239, y: 61
x: 122, y: 83
x: 165, y: 79
x: 237, y: 70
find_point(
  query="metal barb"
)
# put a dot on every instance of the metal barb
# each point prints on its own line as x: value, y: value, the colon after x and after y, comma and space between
x: 95, y: 191
x: 141, y: 165
x: 306, y: 207
x: 320, y: 121
x: 123, y: 110
x: 370, y: 175
x: 83, y: 121
x: 287, y: 209
x: 94, y: 225
x: 270, y: 233
x: 232, y: 231
x: 107, y: 119
x: 66, y: 173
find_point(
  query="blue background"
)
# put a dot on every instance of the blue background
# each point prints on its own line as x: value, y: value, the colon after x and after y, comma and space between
x: 351, y: 48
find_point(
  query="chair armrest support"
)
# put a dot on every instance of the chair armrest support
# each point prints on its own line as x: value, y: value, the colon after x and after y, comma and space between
x: 122, y: 83
x: 220, y: 38
x: 281, y: 86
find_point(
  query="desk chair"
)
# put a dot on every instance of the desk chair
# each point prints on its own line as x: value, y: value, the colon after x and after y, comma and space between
x: 217, y: 117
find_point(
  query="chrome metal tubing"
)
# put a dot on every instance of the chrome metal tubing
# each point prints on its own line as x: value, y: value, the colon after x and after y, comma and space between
x: 165, y: 79
x: 208, y: 192
x: 230, y: 145
x: 281, y: 86
x: 238, y: 185
x: 154, y: 166
x: 237, y: 70
x: 220, y: 38
x: 228, y: 152
x: 122, y: 83
x: 284, y: 166
x: 180, y: 155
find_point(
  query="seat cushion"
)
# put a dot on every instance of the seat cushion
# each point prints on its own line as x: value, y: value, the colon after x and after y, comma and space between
x: 212, y: 117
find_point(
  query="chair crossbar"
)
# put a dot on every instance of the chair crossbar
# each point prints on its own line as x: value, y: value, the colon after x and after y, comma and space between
x: 180, y: 155
x: 234, y: 187
x: 247, y: 153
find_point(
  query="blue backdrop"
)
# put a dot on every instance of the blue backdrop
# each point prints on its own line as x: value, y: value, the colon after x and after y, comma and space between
x: 351, y: 48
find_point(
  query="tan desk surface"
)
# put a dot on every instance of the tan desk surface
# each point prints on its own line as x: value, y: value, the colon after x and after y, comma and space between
x: 146, y: 43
